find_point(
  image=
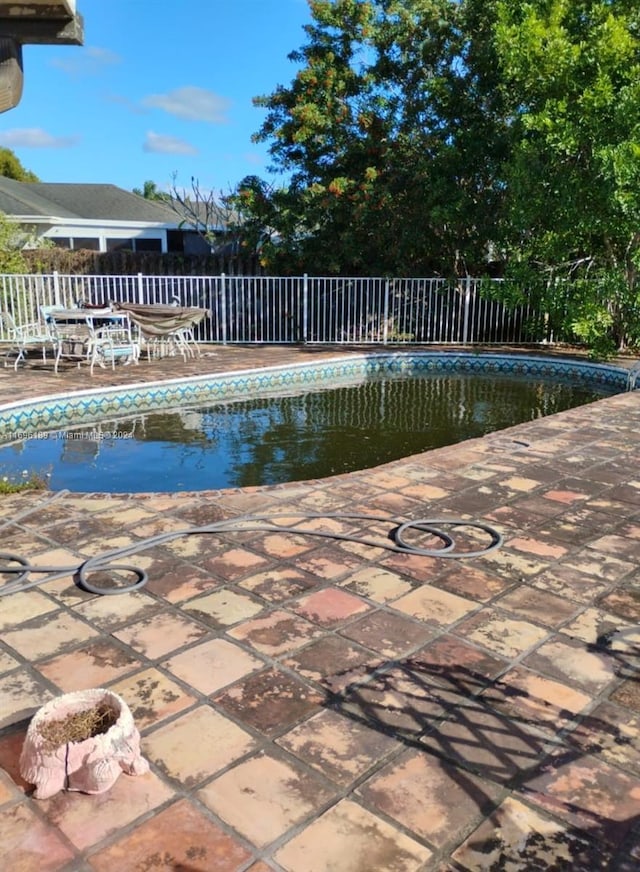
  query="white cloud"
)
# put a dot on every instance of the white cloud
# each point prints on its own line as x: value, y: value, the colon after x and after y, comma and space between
x: 191, y: 103
x: 35, y: 137
x: 159, y: 144
x: 90, y: 60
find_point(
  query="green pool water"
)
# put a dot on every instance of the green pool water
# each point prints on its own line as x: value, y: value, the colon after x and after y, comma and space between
x: 273, y: 440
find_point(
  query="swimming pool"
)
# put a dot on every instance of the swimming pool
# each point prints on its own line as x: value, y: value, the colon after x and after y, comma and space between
x: 245, y: 437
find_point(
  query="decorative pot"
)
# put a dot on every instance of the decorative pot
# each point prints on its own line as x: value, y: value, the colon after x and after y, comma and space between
x: 81, y: 741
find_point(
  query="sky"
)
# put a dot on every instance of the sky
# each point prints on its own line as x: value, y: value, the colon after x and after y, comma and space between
x: 160, y: 90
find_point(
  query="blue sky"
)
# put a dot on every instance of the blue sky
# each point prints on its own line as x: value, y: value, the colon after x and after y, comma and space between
x: 159, y: 87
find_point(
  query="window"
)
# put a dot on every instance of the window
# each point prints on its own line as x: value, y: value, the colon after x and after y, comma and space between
x: 119, y: 244
x: 60, y: 241
x: 148, y: 244
x: 86, y: 242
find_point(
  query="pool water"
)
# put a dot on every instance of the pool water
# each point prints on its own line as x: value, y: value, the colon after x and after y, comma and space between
x: 273, y: 440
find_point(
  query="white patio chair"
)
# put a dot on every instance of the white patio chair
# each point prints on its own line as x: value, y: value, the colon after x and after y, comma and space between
x: 26, y: 337
x: 114, y: 342
x: 79, y: 338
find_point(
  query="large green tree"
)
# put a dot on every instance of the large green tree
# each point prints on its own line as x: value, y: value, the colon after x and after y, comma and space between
x: 570, y: 75
x: 391, y: 132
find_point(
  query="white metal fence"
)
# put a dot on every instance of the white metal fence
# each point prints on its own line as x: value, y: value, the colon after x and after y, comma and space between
x: 277, y: 310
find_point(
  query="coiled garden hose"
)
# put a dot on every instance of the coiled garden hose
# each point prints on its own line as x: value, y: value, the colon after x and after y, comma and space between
x: 111, y: 560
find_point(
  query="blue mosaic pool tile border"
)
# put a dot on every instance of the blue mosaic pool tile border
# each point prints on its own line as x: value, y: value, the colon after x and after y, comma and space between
x: 83, y: 407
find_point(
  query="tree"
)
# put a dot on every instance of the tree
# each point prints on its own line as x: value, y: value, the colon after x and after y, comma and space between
x: 392, y: 133
x: 150, y: 191
x: 11, y: 244
x: 427, y: 136
x: 11, y: 168
x: 215, y: 216
x: 570, y: 75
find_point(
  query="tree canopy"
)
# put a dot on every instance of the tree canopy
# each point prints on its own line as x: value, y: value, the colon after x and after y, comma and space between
x: 11, y: 167
x: 422, y: 135
x: 570, y: 75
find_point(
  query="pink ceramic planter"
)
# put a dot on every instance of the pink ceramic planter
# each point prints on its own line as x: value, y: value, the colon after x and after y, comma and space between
x: 89, y: 766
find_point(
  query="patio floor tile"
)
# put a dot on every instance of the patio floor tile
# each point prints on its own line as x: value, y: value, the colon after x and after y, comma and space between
x: 87, y: 820
x: 269, y: 701
x: 95, y: 665
x: 398, y: 702
x: 571, y: 662
x: 516, y: 838
x: 612, y: 734
x: 625, y: 602
x: 21, y: 607
x: 7, y: 662
x: 327, y: 563
x: 337, y: 746
x: 500, y: 633
x: 587, y: 793
x: 182, y: 583
x: 29, y: 845
x: 222, y: 608
x: 348, y: 838
x: 537, y: 605
x: 234, y: 563
x: 601, y: 566
x: 628, y: 694
x: 329, y: 607
x: 456, y: 663
x: 606, y: 630
x: 434, y: 606
x: 536, y: 699
x: 283, y: 546
x: 332, y: 662
x: 564, y: 581
x: 48, y: 634
x: 434, y: 800
x: 212, y: 665
x: 8, y: 790
x: 387, y: 633
x: 196, y: 745
x: 264, y: 797
x: 376, y: 583
x: 278, y: 585
x: 473, y: 582
x: 159, y: 635
x: 176, y: 838
x: 108, y: 612
x: 277, y: 633
x: 152, y: 696
x: 490, y: 745
x: 21, y: 694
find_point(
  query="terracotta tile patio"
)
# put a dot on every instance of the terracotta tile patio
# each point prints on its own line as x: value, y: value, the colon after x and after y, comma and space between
x: 311, y: 705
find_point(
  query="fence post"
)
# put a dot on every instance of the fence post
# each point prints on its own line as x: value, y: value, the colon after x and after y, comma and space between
x: 305, y: 307
x: 56, y: 288
x: 140, y: 289
x: 223, y: 308
x: 467, y: 305
x: 385, y: 317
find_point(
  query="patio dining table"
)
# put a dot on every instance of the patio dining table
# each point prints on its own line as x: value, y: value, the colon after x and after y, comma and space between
x: 95, y: 335
x: 165, y: 328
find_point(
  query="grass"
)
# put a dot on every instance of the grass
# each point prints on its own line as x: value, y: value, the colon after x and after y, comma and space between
x: 25, y: 481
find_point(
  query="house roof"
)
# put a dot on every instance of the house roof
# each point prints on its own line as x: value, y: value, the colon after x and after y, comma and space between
x: 85, y: 201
